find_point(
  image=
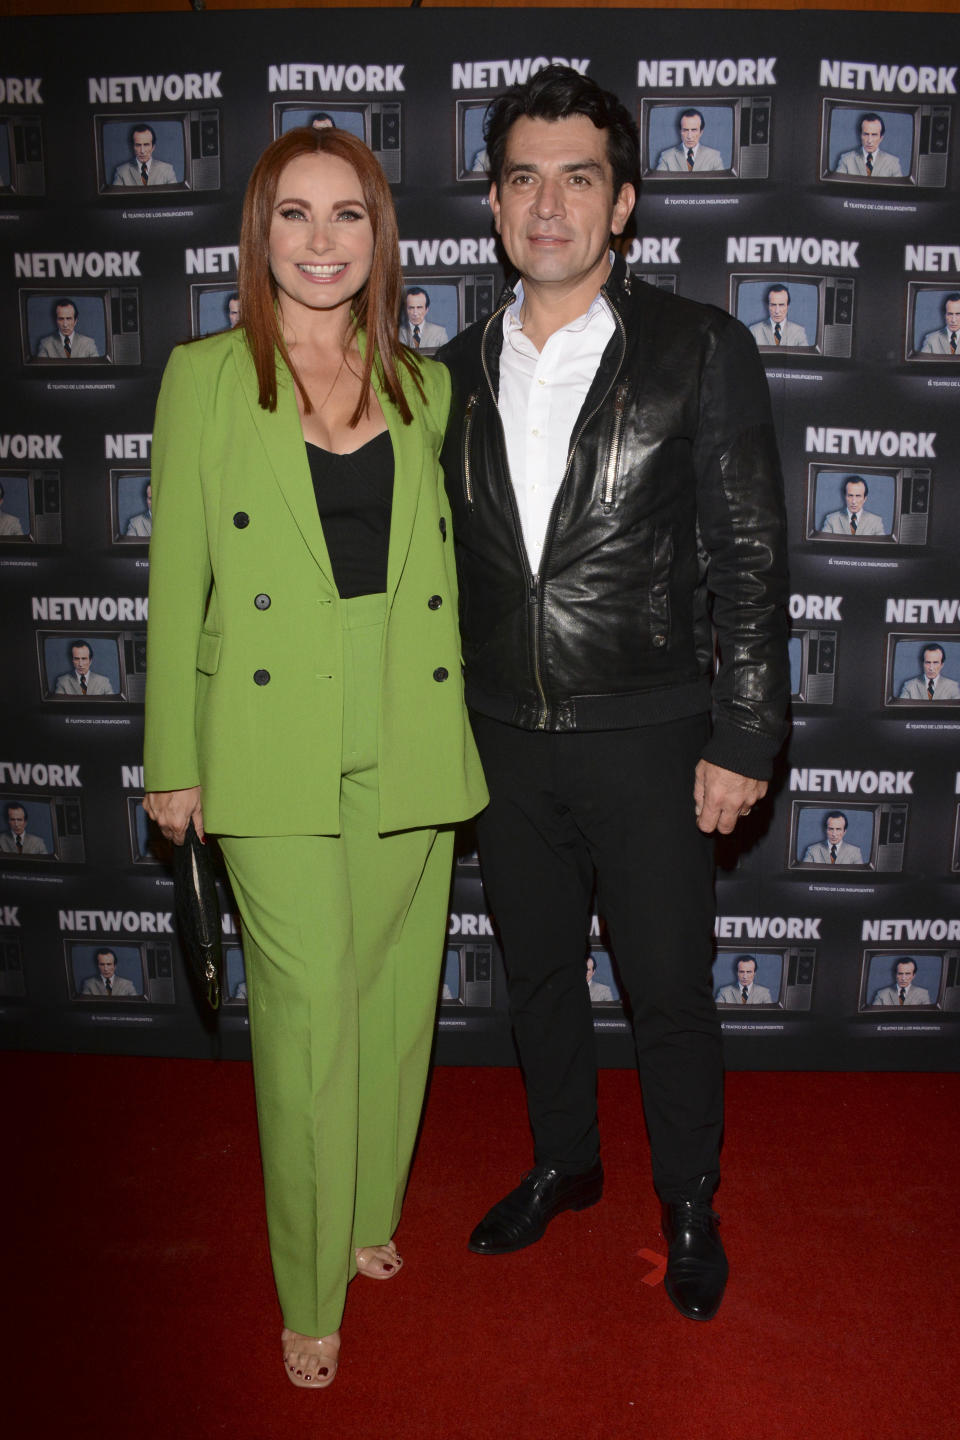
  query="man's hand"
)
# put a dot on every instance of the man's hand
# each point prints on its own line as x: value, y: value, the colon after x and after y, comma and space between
x: 172, y: 811
x: 721, y: 796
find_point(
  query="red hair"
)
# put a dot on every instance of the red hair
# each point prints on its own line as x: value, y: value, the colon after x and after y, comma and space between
x: 375, y: 307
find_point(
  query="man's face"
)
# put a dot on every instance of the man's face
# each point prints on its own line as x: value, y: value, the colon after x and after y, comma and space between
x: 106, y: 964
x: 66, y: 319
x: 80, y: 655
x: 856, y: 494
x: 233, y: 312
x: 142, y: 145
x: 149, y: 497
x: 951, y: 313
x: 690, y: 131
x: 416, y: 309
x: 871, y: 132
x: 556, y: 211
x: 591, y: 968
x: 905, y: 974
x: 835, y: 829
x: 932, y: 663
x: 746, y: 969
x: 778, y: 305
x: 17, y: 819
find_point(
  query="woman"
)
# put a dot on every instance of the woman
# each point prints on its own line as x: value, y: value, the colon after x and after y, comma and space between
x: 304, y: 700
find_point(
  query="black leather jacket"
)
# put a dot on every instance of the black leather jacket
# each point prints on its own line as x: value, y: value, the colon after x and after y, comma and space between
x: 668, y: 529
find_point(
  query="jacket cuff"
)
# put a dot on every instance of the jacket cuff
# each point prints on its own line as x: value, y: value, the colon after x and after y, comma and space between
x: 742, y: 751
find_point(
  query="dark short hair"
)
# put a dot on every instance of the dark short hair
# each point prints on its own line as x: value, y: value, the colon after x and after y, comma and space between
x: 954, y: 296
x: 934, y: 645
x: 872, y: 115
x: 555, y: 93
x: 322, y: 115
x: 856, y: 480
x: 703, y: 123
x: 78, y: 644
x: 105, y: 950
x: 418, y: 290
x: 60, y: 304
x: 775, y: 289
x: 17, y: 805
x: 745, y: 960
x: 139, y: 129
x: 836, y: 815
x: 905, y: 960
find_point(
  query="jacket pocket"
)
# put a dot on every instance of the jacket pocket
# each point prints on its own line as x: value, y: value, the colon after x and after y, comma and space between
x: 208, y: 652
x: 608, y: 493
x: 658, y: 594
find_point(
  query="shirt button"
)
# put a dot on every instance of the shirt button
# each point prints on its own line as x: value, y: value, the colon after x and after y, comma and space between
x: 241, y: 519
x: 434, y: 602
x: 262, y: 602
x: 261, y: 677
x: 440, y: 673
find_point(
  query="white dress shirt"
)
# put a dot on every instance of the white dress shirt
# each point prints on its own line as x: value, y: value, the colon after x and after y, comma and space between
x: 541, y: 395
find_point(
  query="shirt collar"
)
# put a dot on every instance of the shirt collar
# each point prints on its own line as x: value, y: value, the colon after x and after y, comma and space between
x: 511, y: 319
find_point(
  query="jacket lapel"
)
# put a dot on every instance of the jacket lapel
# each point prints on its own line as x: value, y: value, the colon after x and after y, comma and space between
x: 282, y: 440
x: 407, y: 442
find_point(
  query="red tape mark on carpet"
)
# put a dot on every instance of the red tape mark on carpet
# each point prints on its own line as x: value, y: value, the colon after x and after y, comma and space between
x: 659, y: 1263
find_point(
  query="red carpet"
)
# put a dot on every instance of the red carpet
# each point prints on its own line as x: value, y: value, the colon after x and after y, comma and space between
x: 139, y: 1303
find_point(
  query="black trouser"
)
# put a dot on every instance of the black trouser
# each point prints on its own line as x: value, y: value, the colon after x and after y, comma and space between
x: 618, y: 804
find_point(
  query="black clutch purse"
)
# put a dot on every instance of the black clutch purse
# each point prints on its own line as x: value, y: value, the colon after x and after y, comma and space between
x: 198, y: 913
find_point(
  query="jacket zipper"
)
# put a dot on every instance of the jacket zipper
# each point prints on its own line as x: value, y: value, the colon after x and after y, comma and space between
x: 613, y: 459
x: 467, y: 426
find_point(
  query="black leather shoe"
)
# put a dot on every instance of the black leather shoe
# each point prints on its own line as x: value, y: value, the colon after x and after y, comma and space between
x: 696, y: 1265
x: 522, y: 1216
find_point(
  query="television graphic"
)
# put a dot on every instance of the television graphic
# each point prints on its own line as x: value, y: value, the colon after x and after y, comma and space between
x: 234, y: 977
x: 107, y: 317
x: 822, y: 305
x: 736, y: 127
x: 12, y: 981
x: 908, y: 667
x: 929, y: 335
x: 212, y: 308
x: 896, y: 506
x: 32, y: 506
x: 935, y: 979
x: 118, y: 663
x: 131, y: 517
x: 785, y: 972
x: 186, y: 144
x: 467, y: 973
x: 471, y: 147
x: 145, y: 969
x: 456, y: 300
x: 21, y: 156
x: 813, y: 666
x: 915, y: 142
x: 877, y: 833
x: 378, y: 123
x: 50, y: 827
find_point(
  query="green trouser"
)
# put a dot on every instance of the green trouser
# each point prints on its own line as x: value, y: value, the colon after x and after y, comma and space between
x: 342, y: 939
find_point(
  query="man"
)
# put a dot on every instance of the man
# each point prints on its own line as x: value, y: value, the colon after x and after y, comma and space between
x: 107, y: 982
x: 81, y: 680
x: 853, y: 519
x: 691, y: 157
x: 141, y: 525
x: 746, y: 991
x: 904, y: 992
x: 836, y: 851
x: 145, y: 168
x: 870, y: 159
x: 945, y: 341
x: 233, y: 310
x: 598, y: 991
x: 17, y: 841
x: 10, y: 527
x: 931, y: 685
x: 67, y: 343
x: 416, y: 330
x: 778, y: 330
x: 599, y: 429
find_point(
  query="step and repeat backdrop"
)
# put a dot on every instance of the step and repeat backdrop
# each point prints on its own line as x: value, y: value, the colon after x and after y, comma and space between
x: 820, y: 208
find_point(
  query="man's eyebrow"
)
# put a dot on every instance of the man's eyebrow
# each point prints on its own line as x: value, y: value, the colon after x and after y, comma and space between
x: 514, y: 165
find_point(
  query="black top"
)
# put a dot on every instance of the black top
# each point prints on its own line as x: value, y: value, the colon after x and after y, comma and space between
x: 354, y: 496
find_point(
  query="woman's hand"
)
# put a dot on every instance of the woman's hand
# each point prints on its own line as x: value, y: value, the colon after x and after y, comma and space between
x: 172, y: 811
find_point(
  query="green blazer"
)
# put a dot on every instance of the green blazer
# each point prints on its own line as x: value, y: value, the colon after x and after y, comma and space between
x: 244, y: 649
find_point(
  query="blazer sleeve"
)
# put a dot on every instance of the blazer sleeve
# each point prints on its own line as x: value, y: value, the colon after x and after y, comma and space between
x: 180, y: 574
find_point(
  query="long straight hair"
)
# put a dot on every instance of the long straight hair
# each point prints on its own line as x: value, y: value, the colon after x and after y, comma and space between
x: 376, y: 306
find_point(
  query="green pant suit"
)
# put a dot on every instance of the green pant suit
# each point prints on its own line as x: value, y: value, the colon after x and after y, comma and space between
x: 332, y: 744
